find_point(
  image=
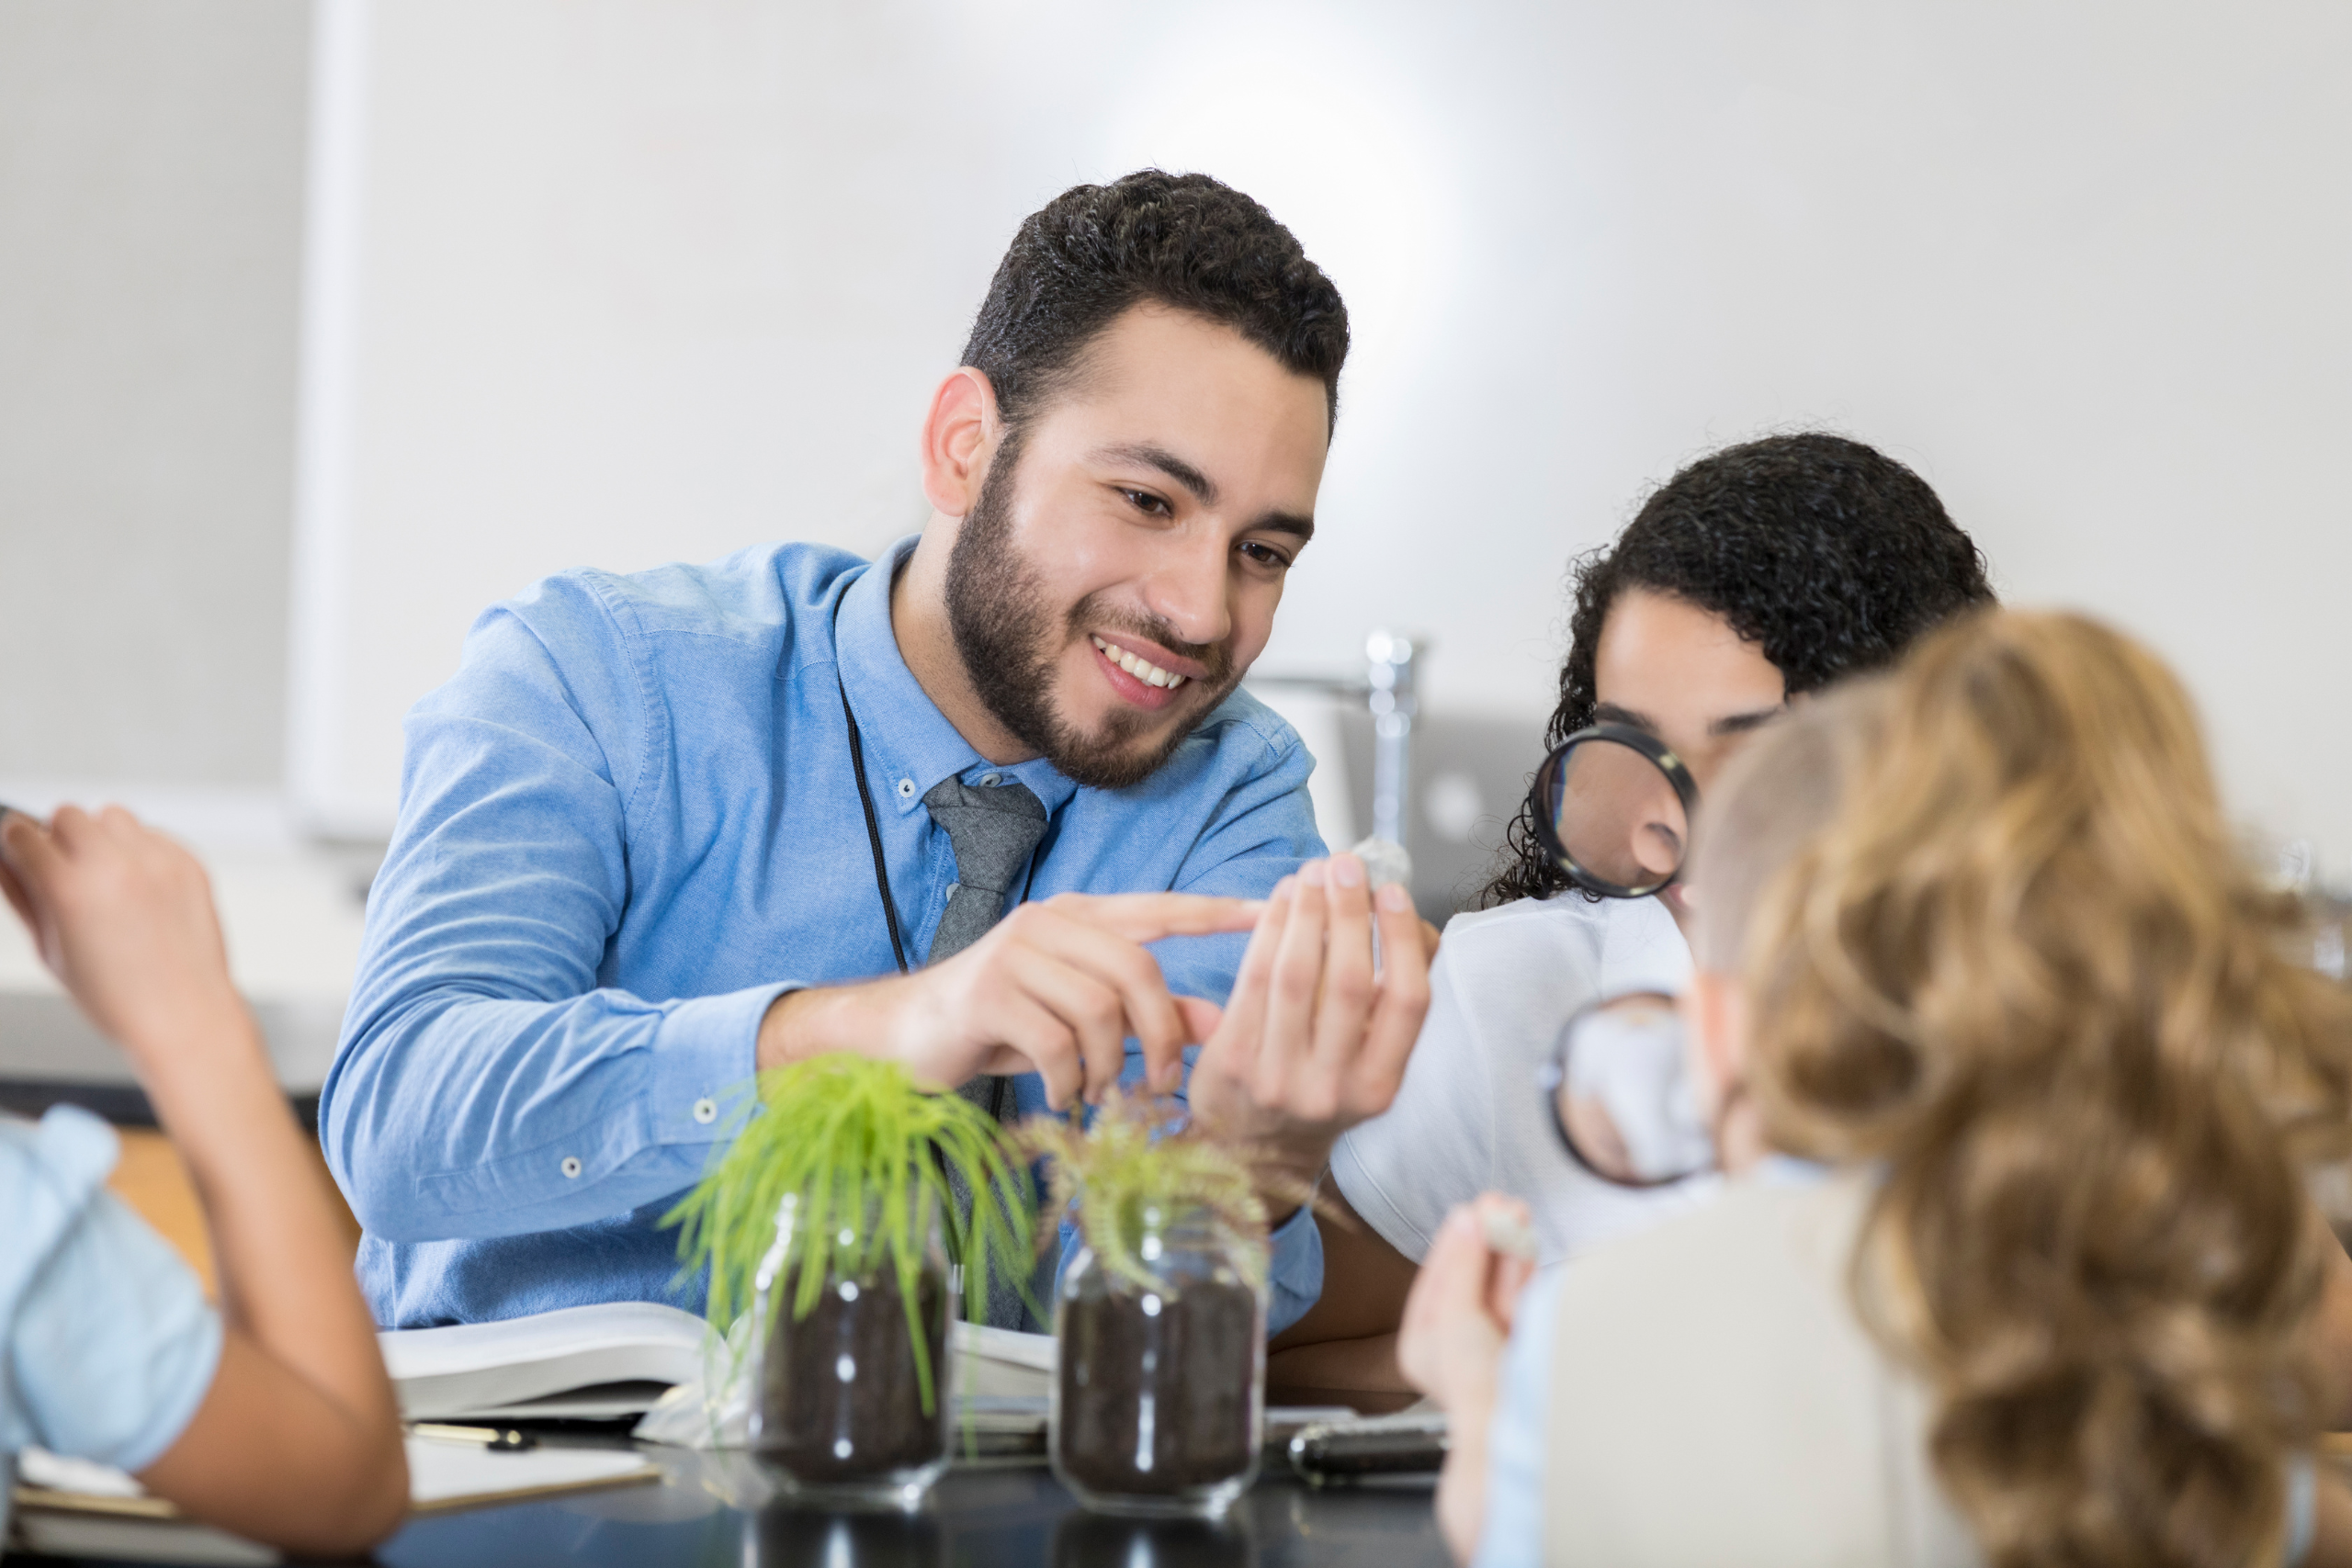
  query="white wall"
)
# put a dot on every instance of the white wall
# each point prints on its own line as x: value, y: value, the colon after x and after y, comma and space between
x: 151, y: 181
x: 619, y: 281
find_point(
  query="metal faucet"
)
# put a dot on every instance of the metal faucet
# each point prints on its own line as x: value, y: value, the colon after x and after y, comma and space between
x: 1393, y: 703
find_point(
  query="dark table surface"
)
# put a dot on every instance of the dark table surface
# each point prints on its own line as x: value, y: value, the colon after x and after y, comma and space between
x: 707, y: 1510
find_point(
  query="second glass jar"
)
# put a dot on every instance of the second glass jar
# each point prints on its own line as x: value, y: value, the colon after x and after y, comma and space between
x: 1159, y: 1399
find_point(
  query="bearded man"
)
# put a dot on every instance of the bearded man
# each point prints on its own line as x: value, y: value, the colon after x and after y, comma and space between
x: 661, y: 831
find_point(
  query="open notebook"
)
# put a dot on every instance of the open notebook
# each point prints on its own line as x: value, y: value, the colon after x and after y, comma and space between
x: 619, y: 1359
x: 584, y: 1363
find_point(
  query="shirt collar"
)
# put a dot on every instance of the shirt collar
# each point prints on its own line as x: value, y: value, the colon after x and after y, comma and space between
x: 1778, y: 1169
x: 907, y: 742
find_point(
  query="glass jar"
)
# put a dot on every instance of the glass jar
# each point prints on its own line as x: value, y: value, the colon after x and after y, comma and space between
x: 1159, y: 1399
x: 839, y: 1404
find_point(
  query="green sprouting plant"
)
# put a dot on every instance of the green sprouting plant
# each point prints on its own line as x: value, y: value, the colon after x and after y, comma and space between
x: 1126, y: 1171
x: 861, y: 1153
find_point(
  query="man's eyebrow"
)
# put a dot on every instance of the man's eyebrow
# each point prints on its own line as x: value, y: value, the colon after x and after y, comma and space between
x: 1741, y: 723
x: 1291, y: 523
x: 1203, y: 489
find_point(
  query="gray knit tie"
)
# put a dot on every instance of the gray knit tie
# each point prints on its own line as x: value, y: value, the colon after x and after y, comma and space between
x: 993, y: 830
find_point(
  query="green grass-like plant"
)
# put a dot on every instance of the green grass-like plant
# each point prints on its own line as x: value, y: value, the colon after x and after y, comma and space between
x: 846, y: 1137
x: 1128, y: 1163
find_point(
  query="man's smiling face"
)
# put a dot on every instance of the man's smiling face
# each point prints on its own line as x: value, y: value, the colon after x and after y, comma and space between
x: 1120, y: 570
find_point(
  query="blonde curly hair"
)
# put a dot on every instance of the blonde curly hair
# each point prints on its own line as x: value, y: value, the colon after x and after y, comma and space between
x: 2024, y: 972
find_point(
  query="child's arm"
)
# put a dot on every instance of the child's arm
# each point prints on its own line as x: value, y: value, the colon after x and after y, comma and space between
x: 298, y: 1440
x: 1450, y: 1347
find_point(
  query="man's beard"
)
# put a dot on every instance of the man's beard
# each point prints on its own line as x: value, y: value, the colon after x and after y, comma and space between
x: 1011, y: 641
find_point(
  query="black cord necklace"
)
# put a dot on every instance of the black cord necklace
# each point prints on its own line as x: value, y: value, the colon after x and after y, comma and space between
x: 873, y: 826
x: 866, y: 797
x: 872, y: 821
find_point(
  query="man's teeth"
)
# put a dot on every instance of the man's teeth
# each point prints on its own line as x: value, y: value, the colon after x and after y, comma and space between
x: 1143, y: 670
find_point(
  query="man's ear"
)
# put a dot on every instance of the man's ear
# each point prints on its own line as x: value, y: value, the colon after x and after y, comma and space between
x: 959, y: 435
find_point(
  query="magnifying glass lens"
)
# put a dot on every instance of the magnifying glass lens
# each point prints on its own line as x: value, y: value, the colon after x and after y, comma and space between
x: 1615, y: 808
x: 1621, y: 1095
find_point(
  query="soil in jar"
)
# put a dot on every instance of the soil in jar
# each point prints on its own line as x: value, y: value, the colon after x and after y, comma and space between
x: 840, y: 1398
x: 1157, y: 1402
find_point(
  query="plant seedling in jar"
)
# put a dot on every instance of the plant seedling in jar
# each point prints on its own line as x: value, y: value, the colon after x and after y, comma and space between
x: 1162, y: 1317
x: 824, y: 1221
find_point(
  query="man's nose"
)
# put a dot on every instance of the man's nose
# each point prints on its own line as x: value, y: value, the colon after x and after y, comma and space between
x: 1187, y: 589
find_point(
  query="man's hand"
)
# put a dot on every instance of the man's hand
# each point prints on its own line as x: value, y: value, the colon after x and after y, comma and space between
x: 123, y: 917
x: 1055, y: 987
x: 1312, y: 1042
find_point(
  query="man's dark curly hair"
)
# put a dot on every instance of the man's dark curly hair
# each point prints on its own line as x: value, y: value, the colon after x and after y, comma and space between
x: 1186, y: 242
x: 1829, y: 555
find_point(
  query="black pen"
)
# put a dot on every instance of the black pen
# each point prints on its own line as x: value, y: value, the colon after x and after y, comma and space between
x: 497, y: 1440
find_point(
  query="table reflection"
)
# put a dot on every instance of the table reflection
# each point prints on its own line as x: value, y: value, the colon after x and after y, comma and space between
x: 784, y: 1535
x: 1085, y: 1541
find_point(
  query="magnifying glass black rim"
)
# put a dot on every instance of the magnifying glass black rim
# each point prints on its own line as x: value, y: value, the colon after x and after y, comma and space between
x: 1553, y: 1077
x: 1661, y: 755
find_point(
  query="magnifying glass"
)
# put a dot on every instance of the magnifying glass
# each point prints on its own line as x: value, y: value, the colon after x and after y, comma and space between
x: 1619, y: 1085
x: 1613, y: 806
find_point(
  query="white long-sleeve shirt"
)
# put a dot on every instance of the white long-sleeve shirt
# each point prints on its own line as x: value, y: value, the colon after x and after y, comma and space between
x: 1469, y: 1117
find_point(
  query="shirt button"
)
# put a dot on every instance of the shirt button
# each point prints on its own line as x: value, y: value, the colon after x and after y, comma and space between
x: 705, y: 1111
x: 992, y: 780
x: 571, y: 1167
x: 906, y: 789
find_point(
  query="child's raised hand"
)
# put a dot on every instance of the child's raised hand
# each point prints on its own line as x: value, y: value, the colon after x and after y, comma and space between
x: 123, y: 917
x: 1458, y: 1316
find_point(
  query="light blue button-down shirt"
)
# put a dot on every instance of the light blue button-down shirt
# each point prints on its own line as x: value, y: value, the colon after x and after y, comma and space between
x: 627, y: 824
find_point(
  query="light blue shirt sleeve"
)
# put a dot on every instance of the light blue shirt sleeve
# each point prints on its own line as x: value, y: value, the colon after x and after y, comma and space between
x: 490, y: 1083
x: 109, y: 1346
x: 1512, y: 1533
x: 1294, y: 1275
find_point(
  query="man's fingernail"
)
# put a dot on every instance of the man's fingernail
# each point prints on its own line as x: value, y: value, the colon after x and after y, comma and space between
x: 1313, y: 873
x: 1347, y: 871
x: 1394, y: 898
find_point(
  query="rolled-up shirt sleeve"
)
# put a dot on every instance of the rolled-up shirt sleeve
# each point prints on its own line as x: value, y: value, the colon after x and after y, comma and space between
x: 487, y: 1084
x: 1295, y: 1274
x: 109, y: 1346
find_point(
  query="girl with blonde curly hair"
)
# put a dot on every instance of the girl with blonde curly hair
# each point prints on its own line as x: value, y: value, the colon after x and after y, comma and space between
x: 2018, y: 1088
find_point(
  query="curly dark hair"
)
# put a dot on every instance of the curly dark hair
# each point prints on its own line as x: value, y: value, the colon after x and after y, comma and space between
x: 1829, y: 555
x: 1150, y: 238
